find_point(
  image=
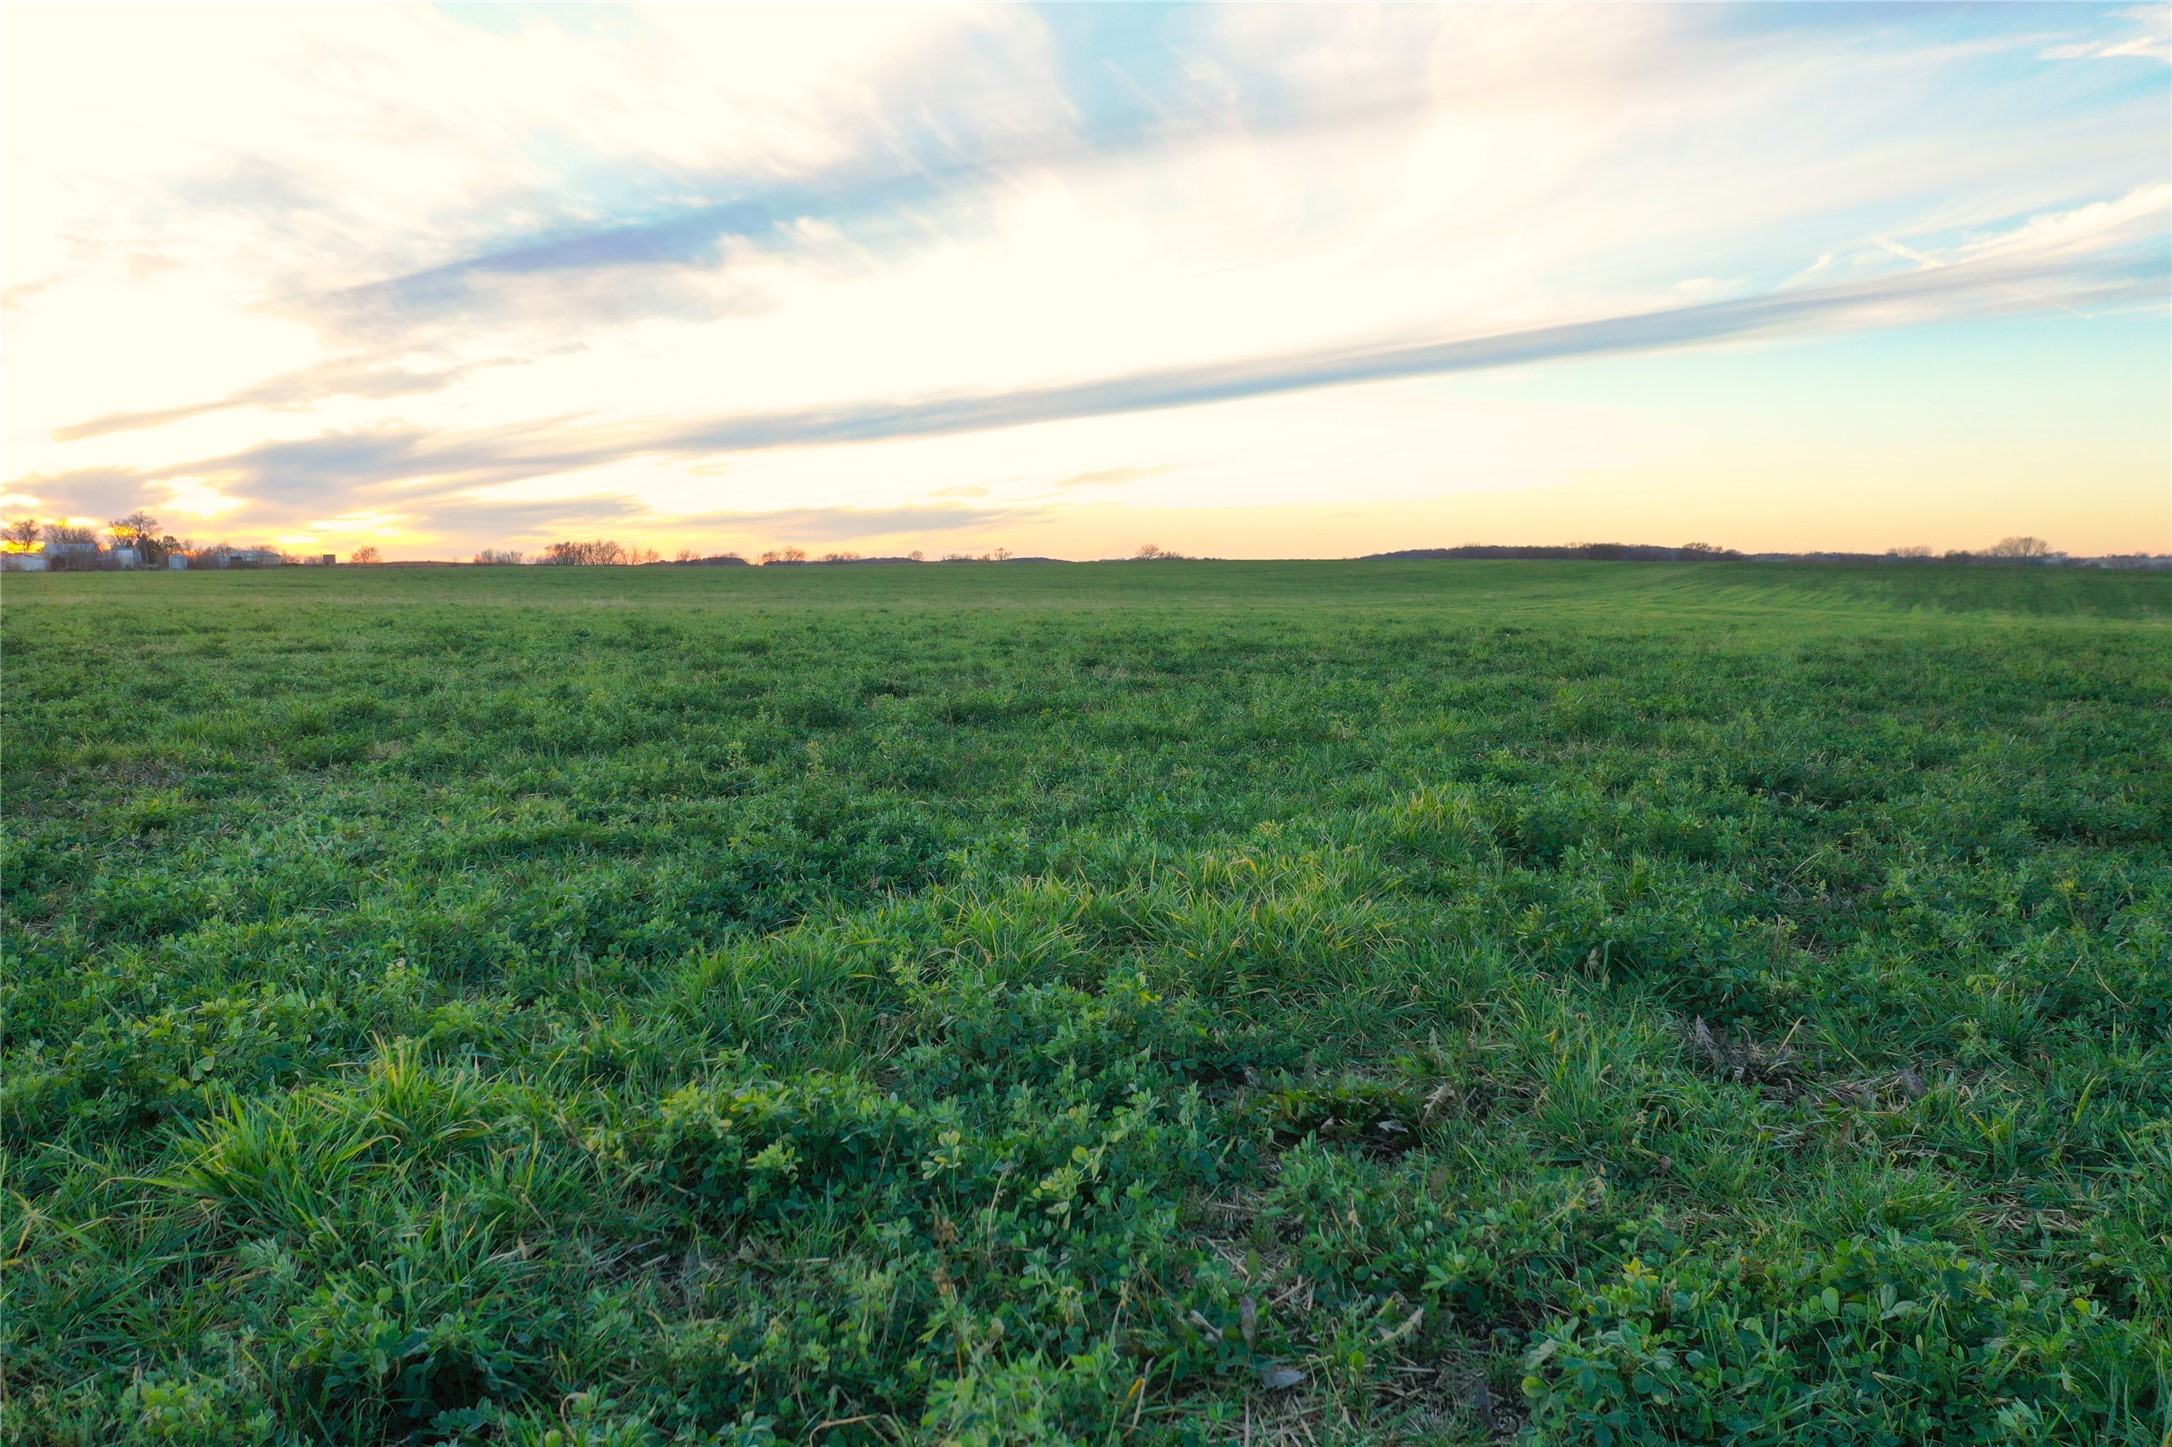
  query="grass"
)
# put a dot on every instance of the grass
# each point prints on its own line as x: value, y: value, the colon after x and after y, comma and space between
x: 1162, y: 1003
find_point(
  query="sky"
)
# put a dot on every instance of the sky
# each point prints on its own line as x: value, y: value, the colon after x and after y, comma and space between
x: 1242, y: 281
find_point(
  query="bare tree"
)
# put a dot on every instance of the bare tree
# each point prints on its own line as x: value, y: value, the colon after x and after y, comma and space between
x: 21, y: 536
x: 139, y: 530
x: 500, y: 556
x: 1911, y: 552
x: 64, y: 546
x: 595, y: 553
x: 365, y: 556
x: 2019, y: 549
x: 1148, y: 552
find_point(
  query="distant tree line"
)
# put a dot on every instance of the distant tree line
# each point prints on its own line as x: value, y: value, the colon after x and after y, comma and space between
x: 2025, y: 551
x: 137, y: 539
x: 61, y: 546
x: 1592, y: 552
x: 599, y: 552
x: 133, y: 539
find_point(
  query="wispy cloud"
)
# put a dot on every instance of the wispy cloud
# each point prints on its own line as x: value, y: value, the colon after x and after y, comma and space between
x: 412, y: 467
x: 1104, y: 477
x: 2149, y: 37
x: 846, y: 524
x: 91, y: 492
x: 622, y: 270
x: 1979, y: 288
x: 340, y: 377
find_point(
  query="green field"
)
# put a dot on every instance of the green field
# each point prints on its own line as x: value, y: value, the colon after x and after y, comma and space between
x: 1147, y: 1003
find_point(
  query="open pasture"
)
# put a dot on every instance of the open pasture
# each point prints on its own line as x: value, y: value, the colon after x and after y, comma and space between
x: 1173, y: 1002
